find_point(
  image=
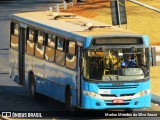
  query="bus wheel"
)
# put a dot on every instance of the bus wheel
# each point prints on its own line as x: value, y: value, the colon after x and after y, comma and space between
x: 32, y: 87
x: 68, y: 101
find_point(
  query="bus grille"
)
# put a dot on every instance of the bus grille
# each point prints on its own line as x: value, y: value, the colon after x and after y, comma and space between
x: 117, y: 87
x: 114, y: 95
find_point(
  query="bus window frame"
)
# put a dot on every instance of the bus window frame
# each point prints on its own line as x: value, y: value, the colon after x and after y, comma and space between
x: 47, y: 39
x: 61, y: 38
x: 31, y: 41
x: 56, y: 57
x: 68, y: 53
x: 58, y: 50
x: 12, y: 34
x: 36, y: 43
x: 53, y: 48
x: 35, y: 37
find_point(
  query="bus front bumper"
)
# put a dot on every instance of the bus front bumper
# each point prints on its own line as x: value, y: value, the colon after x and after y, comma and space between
x: 95, y: 103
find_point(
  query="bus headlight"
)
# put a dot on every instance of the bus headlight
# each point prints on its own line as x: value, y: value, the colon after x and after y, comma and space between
x: 144, y: 92
x: 91, y: 94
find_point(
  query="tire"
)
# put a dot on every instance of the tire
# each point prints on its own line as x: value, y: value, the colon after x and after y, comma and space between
x: 32, y: 87
x: 68, y: 101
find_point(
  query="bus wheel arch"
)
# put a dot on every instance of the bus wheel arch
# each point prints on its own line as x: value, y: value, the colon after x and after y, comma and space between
x: 68, y: 99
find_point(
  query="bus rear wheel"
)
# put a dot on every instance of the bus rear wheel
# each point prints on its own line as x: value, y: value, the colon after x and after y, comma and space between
x: 32, y: 87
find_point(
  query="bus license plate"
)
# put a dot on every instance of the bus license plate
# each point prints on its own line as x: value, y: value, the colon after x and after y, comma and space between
x: 118, y: 101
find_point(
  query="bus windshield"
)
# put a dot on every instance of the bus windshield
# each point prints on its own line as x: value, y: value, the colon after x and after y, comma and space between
x: 123, y: 64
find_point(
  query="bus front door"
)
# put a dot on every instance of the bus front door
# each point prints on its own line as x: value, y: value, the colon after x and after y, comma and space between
x: 79, y: 75
x: 21, y: 55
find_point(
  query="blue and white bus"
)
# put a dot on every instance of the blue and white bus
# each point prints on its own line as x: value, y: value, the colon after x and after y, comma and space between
x: 78, y: 61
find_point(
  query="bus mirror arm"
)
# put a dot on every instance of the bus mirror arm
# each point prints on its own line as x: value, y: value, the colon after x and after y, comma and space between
x: 153, y: 56
x: 80, y: 62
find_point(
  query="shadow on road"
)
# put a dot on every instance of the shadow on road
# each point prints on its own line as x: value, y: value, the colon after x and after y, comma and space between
x: 16, y: 98
x: 19, y: 96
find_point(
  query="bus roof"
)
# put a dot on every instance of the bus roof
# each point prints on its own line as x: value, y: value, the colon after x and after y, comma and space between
x: 69, y: 25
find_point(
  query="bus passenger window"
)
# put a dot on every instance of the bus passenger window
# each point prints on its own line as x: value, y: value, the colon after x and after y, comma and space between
x: 39, y: 51
x: 60, y: 57
x: 30, y: 41
x: 72, y: 48
x: 51, y: 40
x: 39, y: 47
x: 49, y: 55
x: 71, y: 59
x: 41, y: 37
x: 60, y: 54
x: 31, y: 34
x: 60, y: 43
x: 30, y: 47
x: 14, y: 35
x: 16, y: 29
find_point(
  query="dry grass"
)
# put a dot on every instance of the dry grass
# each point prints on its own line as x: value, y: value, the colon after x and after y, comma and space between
x: 140, y: 20
x: 155, y: 80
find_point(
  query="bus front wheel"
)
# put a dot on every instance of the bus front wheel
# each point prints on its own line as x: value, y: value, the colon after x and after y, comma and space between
x: 32, y: 87
x: 68, y: 100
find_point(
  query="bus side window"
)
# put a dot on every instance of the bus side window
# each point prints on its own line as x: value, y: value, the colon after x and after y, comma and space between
x: 50, y: 47
x: 39, y: 47
x: 60, y: 51
x: 71, y: 58
x: 14, y: 35
x: 30, y: 41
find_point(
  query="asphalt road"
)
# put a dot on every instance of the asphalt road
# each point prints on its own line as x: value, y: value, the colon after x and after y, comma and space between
x: 12, y: 96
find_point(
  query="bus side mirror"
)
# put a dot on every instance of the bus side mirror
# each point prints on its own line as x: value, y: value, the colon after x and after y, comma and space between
x: 81, y: 64
x: 153, y: 56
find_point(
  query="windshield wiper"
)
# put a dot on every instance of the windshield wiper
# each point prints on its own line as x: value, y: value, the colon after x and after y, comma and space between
x: 110, y: 78
x: 117, y: 77
x: 107, y: 77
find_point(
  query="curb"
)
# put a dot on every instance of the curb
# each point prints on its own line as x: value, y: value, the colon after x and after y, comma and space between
x: 155, y: 98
